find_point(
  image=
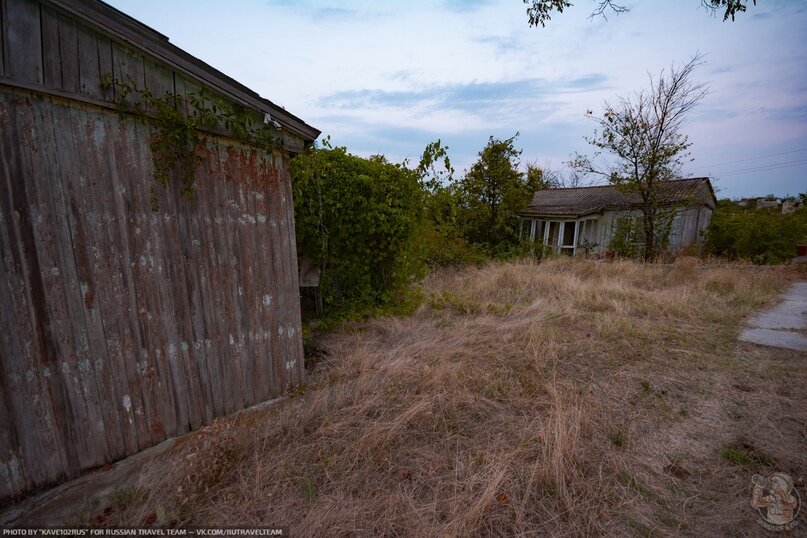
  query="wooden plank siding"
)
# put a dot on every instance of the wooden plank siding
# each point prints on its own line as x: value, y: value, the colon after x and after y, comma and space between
x: 121, y: 326
x: 125, y: 325
x: 22, y: 40
x: 2, y: 38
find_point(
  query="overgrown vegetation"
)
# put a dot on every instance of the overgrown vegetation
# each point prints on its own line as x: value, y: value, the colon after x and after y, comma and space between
x: 180, y: 120
x: 762, y: 235
x: 628, y: 234
x: 359, y: 220
x: 372, y: 226
x: 491, y: 193
x: 523, y: 399
x: 643, y: 136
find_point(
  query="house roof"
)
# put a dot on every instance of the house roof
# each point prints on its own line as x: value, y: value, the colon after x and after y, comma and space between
x: 580, y: 201
x: 110, y: 21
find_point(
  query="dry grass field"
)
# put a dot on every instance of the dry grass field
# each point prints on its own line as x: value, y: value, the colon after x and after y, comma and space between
x: 566, y: 398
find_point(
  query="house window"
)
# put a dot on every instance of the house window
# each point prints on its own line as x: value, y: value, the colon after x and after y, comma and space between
x: 551, y: 233
x: 537, y: 230
x: 588, y: 233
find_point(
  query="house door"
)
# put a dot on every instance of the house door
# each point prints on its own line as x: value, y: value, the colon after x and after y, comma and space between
x: 568, y: 240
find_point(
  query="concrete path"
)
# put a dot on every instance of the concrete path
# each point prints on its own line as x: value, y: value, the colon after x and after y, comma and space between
x: 784, y: 325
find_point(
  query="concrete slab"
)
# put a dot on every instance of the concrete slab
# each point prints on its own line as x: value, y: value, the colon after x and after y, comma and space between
x: 786, y: 315
x: 772, y: 338
x: 776, y: 325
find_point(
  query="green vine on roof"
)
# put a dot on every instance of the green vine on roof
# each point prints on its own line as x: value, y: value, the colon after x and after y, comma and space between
x: 179, y: 120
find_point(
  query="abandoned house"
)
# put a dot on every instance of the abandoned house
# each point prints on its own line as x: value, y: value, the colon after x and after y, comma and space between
x: 147, y: 288
x: 584, y: 219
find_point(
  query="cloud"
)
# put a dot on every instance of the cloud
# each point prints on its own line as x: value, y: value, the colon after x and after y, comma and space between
x: 466, y: 97
x: 333, y: 13
x: 313, y: 10
x: 788, y: 114
x: 588, y: 82
x: 713, y: 114
x: 464, y: 6
x: 502, y: 44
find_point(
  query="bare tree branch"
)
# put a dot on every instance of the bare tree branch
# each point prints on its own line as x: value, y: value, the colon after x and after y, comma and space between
x: 539, y: 11
x: 732, y: 7
x: 644, y: 134
x: 605, y: 5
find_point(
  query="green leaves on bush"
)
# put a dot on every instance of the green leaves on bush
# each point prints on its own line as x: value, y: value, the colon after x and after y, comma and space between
x: 761, y: 235
x: 372, y: 226
x: 358, y: 220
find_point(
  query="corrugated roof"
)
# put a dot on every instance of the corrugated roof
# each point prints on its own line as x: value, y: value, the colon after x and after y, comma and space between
x: 579, y: 201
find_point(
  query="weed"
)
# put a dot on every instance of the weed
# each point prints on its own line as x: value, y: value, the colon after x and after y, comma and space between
x: 747, y: 455
x: 310, y: 490
x: 619, y: 438
x: 503, y: 406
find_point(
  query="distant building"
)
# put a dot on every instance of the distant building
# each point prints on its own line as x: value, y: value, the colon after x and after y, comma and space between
x: 765, y: 202
x: 571, y: 220
x: 785, y: 205
x: 789, y: 205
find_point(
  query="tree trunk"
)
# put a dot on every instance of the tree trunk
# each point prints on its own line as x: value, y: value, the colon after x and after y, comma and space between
x: 649, y: 233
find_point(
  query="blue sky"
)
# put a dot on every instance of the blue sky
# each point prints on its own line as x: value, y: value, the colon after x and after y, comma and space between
x: 388, y: 77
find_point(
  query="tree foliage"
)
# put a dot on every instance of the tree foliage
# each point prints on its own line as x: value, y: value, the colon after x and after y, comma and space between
x: 358, y: 220
x: 372, y: 226
x: 761, y: 235
x: 642, y: 135
x: 540, y: 11
x: 491, y: 194
x: 442, y: 241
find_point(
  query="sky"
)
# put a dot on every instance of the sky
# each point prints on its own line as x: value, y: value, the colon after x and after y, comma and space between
x: 388, y: 77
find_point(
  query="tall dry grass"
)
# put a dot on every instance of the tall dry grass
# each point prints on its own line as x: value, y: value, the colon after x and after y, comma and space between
x: 503, y: 406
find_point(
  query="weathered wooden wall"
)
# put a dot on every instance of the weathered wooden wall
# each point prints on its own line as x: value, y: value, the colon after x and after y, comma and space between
x: 686, y: 229
x: 121, y: 326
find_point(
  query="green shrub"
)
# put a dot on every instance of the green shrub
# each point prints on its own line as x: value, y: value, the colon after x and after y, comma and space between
x: 762, y: 235
x: 360, y: 220
x: 626, y: 238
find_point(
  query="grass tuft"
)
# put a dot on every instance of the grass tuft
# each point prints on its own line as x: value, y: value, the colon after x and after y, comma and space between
x: 506, y: 404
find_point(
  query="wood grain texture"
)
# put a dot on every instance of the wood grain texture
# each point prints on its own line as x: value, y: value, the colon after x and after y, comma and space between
x: 121, y: 326
x: 23, y: 40
x: 126, y: 325
x: 2, y: 37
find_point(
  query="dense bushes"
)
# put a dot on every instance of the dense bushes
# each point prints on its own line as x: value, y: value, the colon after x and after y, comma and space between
x: 359, y: 220
x: 762, y: 235
x: 373, y: 226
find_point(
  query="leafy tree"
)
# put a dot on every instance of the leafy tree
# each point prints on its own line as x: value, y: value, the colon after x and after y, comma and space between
x: 539, y: 177
x: 358, y: 220
x: 539, y: 11
x: 642, y: 133
x: 491, y: 194
x: 432, y: 175
x: 442, y: 234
